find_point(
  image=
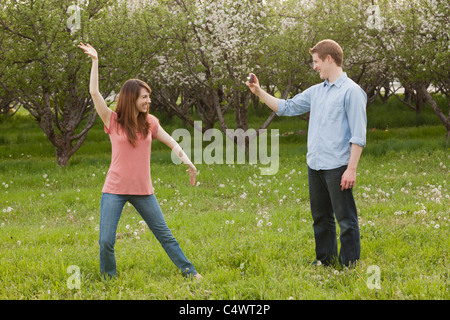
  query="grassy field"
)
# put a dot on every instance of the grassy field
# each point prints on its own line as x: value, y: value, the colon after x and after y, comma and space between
x: 250, y: 236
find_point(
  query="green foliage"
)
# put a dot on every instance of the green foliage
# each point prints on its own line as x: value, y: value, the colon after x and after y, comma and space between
x: 43, y: 69
x: 395, y: 114
x: 196, y: 54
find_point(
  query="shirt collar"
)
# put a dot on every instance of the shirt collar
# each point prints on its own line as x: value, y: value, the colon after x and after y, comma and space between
x: 338, y: 82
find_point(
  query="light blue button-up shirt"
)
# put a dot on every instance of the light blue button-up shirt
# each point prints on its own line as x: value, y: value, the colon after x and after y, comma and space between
x: 337, y: 119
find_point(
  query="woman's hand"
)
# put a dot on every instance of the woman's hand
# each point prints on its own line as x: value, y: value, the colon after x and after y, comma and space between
x: 192, y: 174
x: 89, y: 50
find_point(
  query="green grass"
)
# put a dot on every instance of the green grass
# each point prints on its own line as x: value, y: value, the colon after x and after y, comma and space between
x: 49, y: 220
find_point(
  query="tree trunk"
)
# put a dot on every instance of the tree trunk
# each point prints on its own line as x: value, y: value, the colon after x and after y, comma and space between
x: 62, y: 157
x: 240, y: 102
x: 445, y: 120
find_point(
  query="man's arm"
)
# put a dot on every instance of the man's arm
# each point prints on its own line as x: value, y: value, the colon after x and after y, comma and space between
x: 355, y: 107
x: 300, y: 104
x: 348, y: 179
x: 268, y: 99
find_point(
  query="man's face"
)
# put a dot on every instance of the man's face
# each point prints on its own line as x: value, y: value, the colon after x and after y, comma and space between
x: 321, y: 66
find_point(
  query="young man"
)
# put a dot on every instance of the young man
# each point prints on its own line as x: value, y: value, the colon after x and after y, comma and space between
x: 336, y: 137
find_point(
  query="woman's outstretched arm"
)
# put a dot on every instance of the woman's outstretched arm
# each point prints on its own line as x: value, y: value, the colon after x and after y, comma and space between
x: 165, y: 138
x: 100, y: 105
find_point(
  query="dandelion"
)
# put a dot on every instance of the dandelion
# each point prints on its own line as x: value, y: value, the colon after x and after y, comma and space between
x: 260, y: 223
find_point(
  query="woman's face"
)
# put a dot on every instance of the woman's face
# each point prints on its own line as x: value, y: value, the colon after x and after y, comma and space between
x: 143, y: 101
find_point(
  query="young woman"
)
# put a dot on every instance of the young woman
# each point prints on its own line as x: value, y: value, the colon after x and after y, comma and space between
x: 131, y: 130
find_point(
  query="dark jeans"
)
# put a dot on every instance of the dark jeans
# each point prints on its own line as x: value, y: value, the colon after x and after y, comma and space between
x: 327, y: 201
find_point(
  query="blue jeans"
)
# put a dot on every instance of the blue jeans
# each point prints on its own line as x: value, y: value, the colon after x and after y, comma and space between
x: 148, y: 208
x: 327, y: 200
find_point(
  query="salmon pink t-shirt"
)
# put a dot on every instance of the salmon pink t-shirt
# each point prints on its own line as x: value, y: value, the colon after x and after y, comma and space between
x: 129, y: 172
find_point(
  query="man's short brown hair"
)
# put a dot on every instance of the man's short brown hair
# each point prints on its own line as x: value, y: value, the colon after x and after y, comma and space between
x: 328, y: 47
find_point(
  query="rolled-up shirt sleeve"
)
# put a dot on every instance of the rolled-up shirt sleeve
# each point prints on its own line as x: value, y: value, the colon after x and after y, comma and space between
x: 298, y: 105
x: 355, y: 107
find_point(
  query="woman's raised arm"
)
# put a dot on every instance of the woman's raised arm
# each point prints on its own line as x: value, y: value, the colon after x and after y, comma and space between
x: 100, y: 105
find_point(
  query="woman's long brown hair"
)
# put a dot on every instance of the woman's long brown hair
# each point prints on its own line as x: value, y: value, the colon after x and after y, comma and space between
x: 126, y: 105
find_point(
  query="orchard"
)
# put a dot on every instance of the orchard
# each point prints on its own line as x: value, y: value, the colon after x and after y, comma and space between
x: 196, y: 56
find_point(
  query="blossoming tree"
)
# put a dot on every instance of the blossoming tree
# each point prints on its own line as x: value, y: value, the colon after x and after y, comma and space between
x: 43, y: 69
x: 210, y: 48
x: 417, y: 44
